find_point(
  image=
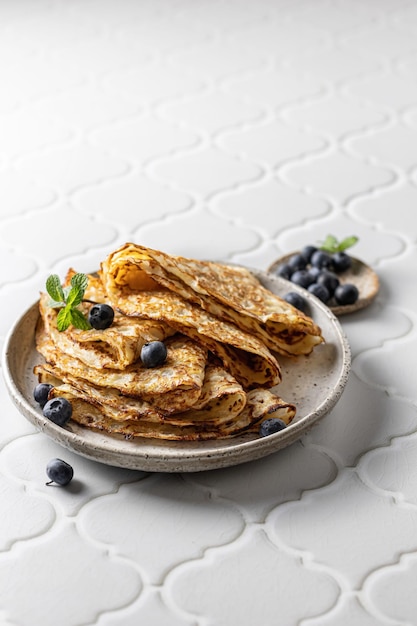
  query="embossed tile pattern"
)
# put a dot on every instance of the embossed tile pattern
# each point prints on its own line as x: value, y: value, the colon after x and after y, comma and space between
x: 239, y: 131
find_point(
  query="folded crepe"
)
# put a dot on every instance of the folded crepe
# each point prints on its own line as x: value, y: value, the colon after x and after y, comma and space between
x: 220, y: 415
x: 244, y: 355
x: 220, y: 401
x: 115, y: 347
x: 229, y: 293
x: 173, y: 386
x: 149, y: 316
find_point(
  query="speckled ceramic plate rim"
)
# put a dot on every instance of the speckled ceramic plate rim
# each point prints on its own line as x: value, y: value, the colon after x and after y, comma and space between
x: 163, y: 456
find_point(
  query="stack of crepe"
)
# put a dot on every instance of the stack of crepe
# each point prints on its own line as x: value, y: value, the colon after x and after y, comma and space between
x: 223, y: 331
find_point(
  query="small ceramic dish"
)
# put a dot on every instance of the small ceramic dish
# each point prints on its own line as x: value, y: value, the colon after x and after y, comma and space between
x: 313, y: 383
x: 359, y: 274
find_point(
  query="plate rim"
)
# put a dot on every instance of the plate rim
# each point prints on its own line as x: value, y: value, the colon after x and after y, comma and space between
x: 179, y: 456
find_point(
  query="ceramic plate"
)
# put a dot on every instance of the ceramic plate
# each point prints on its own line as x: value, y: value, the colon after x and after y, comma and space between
x: 313, y: 383
x: 360, y: 274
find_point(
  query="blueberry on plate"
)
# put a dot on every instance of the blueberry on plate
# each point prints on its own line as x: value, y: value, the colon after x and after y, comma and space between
x: 341, y: 262
x: 270, y: 426
x: 320, y: 291
x: 321, y: 259
x: 307, y: 252
x: 329, y: 280
x: 346, y: 294
x: 296, y: 262
x: 153, y: 353
x: 58, y: 410
x: 101, y: 316
x: 284, y: 271
x: 295, y: 299
x: 41, y: 392
x: 59, y: 472
x: 314, y: 273
x: 302, y: 278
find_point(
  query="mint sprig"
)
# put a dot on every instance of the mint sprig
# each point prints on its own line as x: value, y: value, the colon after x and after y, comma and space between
x: 54, y: 288
x: 332, y: 245
x: 67, y: 299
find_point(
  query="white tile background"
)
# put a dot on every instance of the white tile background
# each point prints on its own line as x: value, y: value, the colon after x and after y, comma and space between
x: 234, y: 130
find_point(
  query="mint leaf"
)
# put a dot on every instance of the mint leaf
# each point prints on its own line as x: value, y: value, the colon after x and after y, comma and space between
x: 332, y: 245
x: 64, y: 318
x: 329, y: 244
x: 55, y: 305
x: 68, y: 298
x: 79, y: 284
x: 79, y: 320
x: 347, y: 243
x: 54, y: 288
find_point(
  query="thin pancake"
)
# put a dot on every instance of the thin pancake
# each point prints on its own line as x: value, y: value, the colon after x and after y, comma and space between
x: 126, y: 407
x: 245, y: 356
x: 221, y: 400
x: 100, y: 417
x: 114, y: 347
x: 174, y: 386
x: 228, y: 292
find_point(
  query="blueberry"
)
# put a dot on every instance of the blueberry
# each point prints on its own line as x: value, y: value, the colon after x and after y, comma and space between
x: 153, y: 353
x: 341, y: 262
x: 307, y: 252
x: 321, y: 259
x: 58, y: 410
x: 270, y: 426
x: 346, y: 294
x: 40, y: 393
x: 284, y: 271
x: 59, y: 472
x: 296, y: 262
x: 314, y: 273
x: 320, y: 291
x: 329, y: 280
x: 101, y: 316
x: 295, y: 299
x: 302, y: 278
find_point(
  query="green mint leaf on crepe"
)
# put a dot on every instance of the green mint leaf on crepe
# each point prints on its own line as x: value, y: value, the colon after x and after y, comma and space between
x: 64, y: 318
x: 332, y: 245
x: 79, y: 320
x: 54, y: 289
x: 79, y: 284
x: 67, y: 299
